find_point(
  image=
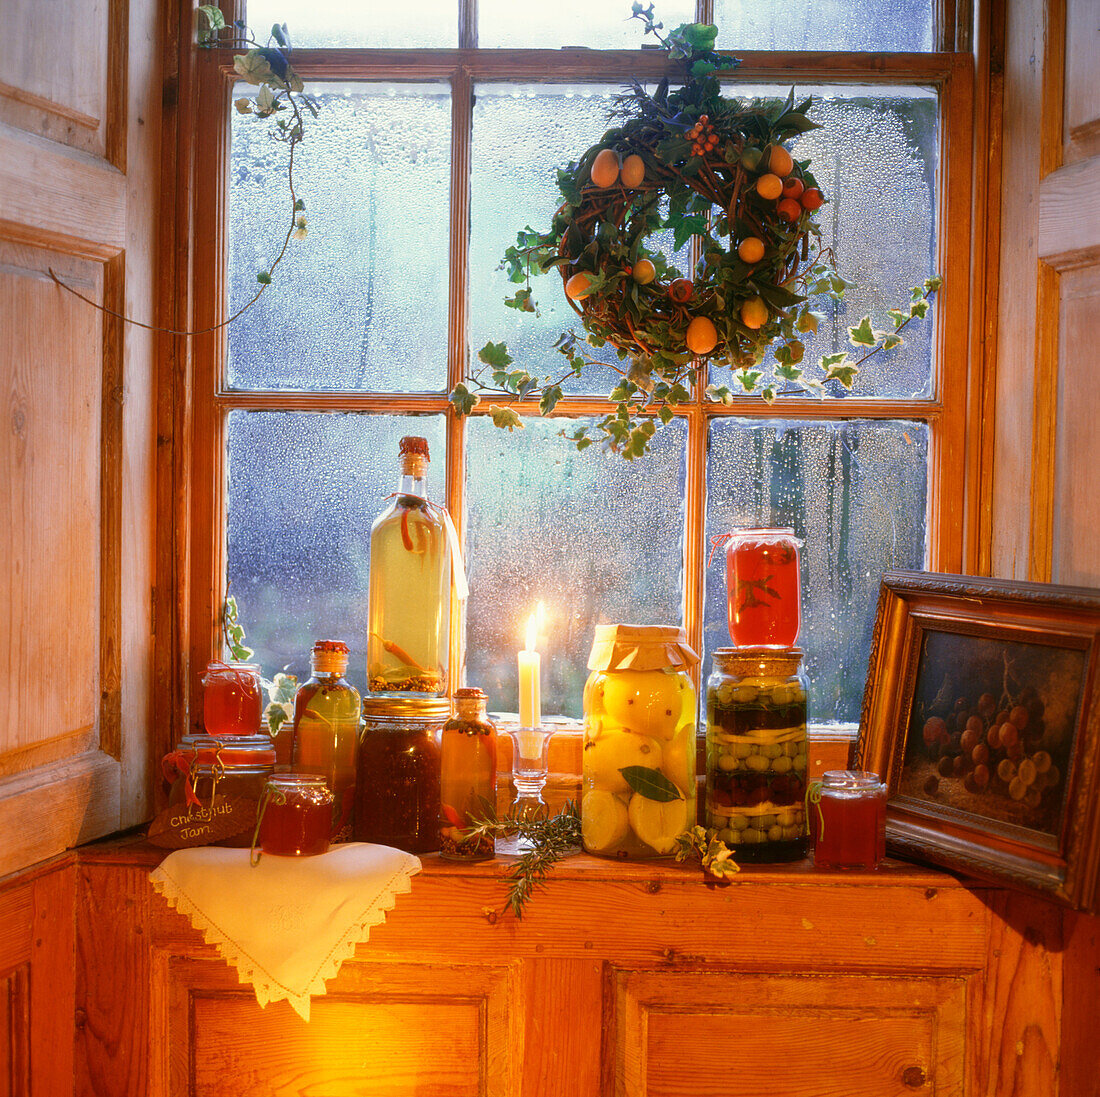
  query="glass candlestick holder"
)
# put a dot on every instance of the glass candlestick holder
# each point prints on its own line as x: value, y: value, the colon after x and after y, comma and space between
x: 529, y: 769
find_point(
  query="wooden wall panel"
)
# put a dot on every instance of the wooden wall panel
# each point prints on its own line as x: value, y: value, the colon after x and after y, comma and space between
x: 15, y: 1054
x: 1082, y: 118
x: 829, y: 1035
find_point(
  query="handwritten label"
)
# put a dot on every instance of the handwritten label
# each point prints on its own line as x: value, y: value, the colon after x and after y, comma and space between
x: 180, y: 827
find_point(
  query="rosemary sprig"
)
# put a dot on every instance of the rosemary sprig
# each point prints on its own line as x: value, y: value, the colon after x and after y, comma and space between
x: 553, y: 836
x: 705, y: 846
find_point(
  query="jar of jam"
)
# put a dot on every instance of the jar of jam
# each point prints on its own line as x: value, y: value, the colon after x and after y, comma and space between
x: 848, y: 819
x: 468, y: 781
x: 218, y: 783
x: 762, y: 588
x: 638, y: 780
x: 295, y: 815
x: 232, y: 699
x: 756, y: 753
x: 397, y: 799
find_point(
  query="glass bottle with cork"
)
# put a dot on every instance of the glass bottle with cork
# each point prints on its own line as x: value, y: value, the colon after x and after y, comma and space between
x: 468, y: 777
x: 326, y: 729
x: 410, y: 587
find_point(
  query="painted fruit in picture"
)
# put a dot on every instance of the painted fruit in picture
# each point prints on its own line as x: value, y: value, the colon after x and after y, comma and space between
x: 991, y: 728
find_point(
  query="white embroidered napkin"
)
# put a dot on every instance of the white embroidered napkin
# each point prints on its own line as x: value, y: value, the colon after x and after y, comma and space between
x: 288, y: 923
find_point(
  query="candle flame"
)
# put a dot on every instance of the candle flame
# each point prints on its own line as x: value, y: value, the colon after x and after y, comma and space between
x: 534, y: 623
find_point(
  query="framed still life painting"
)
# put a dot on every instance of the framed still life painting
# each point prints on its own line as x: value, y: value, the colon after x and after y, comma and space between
x: 981, y: 714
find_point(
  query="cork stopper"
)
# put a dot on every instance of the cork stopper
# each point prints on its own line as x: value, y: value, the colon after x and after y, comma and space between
x: 413, y: 455
x: 329, y: 657
x: 469, y: 702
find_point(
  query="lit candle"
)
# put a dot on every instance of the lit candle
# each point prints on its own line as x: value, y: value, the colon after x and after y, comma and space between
x: 530, y: 701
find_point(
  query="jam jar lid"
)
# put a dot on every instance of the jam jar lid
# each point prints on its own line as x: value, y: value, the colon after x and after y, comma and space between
x: 429, y: 710
x: 758, y: 662
x: 246, y: 750
x: 851, y: 780
x: 640, y: 647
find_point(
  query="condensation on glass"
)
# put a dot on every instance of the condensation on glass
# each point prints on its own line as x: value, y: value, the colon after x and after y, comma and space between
x: 851, y: 25
x: 303, y: 490
x: 521, y: 135
x: 855, y: 493
x: 875, y: 158
x: 596, y: 538
x: 595, y: 24
x: 376, y: 24
x: 361, y: 302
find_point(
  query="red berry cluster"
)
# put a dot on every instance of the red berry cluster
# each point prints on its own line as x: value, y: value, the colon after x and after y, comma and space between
x: 703, y: 137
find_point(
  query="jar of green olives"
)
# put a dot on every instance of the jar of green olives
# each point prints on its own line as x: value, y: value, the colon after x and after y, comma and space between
x: 756, y: 753
x: 638, y: 780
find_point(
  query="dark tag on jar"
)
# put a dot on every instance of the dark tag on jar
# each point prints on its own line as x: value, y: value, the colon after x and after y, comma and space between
x: 224, y: 817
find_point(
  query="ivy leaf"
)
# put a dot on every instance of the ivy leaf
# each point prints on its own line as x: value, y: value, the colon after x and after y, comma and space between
x: 650, y: 783
x: 495, y: 354
x: 748, y: 378
x: 789, y: 373
x: 265, y: 100
x: 505, y: 418
x: 845, y: 374
x: 898, y: 316
x: 720, y: 393
x: 767, y: 394
x: 665, y: 414
x: 464, y: 400
x: 243, y: 105
x: 213, y: 22
x: 919, y: 309
x: 521, y: 300
x: 263, y: 278
x: 831, y: 360
x: 252, y: 67
x: 550, y: 397
x: 892, y: 340
x: 862, y: 335
x: 931, y: 285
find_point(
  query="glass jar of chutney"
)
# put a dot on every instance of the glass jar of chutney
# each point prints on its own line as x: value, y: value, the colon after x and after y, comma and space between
x: 638, y: 779
x: 397, y: 795
x: 756, y: 753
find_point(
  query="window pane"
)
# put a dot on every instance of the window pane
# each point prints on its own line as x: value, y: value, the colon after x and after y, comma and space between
x: 327, y: 24
x: 521, y: 135
x: 361, y: 303
x: 880, y: 25
x: 304, y: 489
x: 855, y: 493
x: 598, y: 24
x: 875, y: 158
x: 596, y: 538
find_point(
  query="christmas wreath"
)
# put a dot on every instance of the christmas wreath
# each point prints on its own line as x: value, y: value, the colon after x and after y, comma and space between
x: 715, y: 171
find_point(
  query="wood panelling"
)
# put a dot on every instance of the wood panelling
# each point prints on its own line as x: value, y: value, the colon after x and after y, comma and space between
x: 830, y: 1035
x: 1069, y: 214
x: 1082, y: 118
x: 79, y: 112
x: 15, y: 1053
x: 62, y: 82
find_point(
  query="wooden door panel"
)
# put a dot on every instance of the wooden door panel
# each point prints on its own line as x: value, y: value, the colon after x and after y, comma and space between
x: 383, y: 1030
x: 788, y: 1036
x: 63, y: 77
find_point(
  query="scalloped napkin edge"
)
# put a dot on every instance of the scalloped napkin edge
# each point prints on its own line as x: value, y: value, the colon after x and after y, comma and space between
x: 287, y: 924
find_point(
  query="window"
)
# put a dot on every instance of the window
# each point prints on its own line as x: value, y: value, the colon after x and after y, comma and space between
x: 425, y: 161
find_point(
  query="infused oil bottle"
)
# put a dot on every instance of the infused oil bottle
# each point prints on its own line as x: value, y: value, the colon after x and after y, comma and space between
x: 326, y: 729
x: 410, y: 587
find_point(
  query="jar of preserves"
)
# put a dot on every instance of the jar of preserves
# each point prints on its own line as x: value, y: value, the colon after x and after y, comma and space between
x: 397, y: 783
x: 294, y: 816
x: 756, y: 753
x: 468, y: 782
x: 216, y: 786
x: 232, y: 699
x: 848, y: 819
x: 638, y: 781
x: 762, y: 588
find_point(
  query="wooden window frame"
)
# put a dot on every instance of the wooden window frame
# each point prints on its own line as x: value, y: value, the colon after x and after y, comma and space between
x: 196, y: 557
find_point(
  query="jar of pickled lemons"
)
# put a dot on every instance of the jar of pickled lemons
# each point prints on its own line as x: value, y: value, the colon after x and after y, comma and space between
x: 638, y: 780
x: 756, y: 753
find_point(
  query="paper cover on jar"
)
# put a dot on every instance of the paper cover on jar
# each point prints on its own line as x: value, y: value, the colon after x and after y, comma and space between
x: 288, y: 923
x: 640, y: 647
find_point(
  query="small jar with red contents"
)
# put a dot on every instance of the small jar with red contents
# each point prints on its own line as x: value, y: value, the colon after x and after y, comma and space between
x: 295, y: 816
x: 762, y: 587
x: 848, y: 819
x: 232, y: 699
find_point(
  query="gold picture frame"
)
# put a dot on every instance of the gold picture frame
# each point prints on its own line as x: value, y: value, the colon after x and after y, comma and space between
x: 981, y: 712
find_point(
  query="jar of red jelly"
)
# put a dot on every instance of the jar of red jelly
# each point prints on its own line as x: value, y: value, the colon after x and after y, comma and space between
x: 295, y: 815
x: 848, y: 819
x: 397, y: 791
x: 232, y: 699
x: 762, y: 588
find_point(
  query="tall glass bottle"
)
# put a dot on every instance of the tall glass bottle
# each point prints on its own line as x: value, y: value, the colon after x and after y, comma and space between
x: 410, y: 587
x: 326, y: 729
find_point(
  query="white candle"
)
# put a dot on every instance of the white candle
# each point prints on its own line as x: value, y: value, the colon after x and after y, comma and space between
x: 530, y: 700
